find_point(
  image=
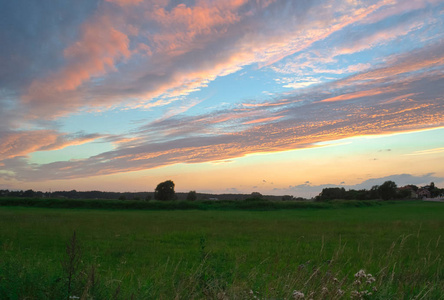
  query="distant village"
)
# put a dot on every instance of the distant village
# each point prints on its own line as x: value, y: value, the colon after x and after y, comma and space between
x: 428, y: 192
x: 386, y: 191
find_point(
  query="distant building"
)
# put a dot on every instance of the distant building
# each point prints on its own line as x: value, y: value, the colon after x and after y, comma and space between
x: 412, y: 189
x: 424, y: 193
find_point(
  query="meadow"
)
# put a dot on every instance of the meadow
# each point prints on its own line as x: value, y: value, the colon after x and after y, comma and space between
x: 390, y: 251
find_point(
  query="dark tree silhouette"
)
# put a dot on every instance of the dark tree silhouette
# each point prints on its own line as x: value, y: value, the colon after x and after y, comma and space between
x: 256, y: 195
x: 387, y: 190
x: 333, y: 193
x: 191, y: 196
x: 165, y: 191
x: 287, y: 198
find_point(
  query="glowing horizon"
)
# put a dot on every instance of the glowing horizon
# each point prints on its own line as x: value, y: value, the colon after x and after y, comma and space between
x: 216, y: 95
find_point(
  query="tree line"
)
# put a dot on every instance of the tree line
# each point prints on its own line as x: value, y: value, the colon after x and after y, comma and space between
x: 164, y: 191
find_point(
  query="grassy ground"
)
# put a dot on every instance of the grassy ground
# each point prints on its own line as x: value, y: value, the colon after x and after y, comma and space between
x: 228, y: 254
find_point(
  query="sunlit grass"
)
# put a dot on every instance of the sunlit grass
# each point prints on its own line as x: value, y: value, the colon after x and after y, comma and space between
x: 226, y: 254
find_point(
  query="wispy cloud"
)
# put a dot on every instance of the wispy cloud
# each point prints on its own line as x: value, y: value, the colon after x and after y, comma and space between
x: 263, y: 120
x: 428, y: 151
x: 125, y: 2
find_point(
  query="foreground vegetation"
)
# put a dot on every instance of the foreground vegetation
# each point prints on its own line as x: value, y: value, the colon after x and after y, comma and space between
x: 249, y: 204
x: 223, y: 254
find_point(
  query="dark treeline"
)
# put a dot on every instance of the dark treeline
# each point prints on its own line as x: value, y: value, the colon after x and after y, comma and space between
x: 73, y: 194
x: 386, y: 191
x: 144, y: 196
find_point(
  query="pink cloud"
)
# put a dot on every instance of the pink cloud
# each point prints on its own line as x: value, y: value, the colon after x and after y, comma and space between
x: 317, y: 30
x: 397, y: 7
x: 305, y: 64
x: 379, y: 37
x: 355, y: 95
x: 21, y: 143
x: 94, y: 54
x: 183, y: 24
x: 405, y: 97
x: 263, y: 120
x: 125, y: 2
x: 404, y: 63
x: 267, y: 104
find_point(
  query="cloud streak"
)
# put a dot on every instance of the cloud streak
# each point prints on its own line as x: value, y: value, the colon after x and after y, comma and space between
x: 335, y: 74
x: 21, y: 143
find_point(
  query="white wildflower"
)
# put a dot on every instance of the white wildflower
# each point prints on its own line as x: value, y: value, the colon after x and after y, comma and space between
x: 298, y: 295
x: 355, y: 294
x: 360, y: 274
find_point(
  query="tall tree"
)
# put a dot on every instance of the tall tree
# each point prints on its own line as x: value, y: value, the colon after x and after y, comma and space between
x: 387, y: 190
x: 165, y: 191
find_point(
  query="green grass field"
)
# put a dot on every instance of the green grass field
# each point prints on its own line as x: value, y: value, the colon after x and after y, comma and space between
x: 228, y: 254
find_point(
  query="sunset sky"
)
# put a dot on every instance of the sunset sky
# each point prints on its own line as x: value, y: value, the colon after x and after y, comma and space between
x: 221, y: 96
